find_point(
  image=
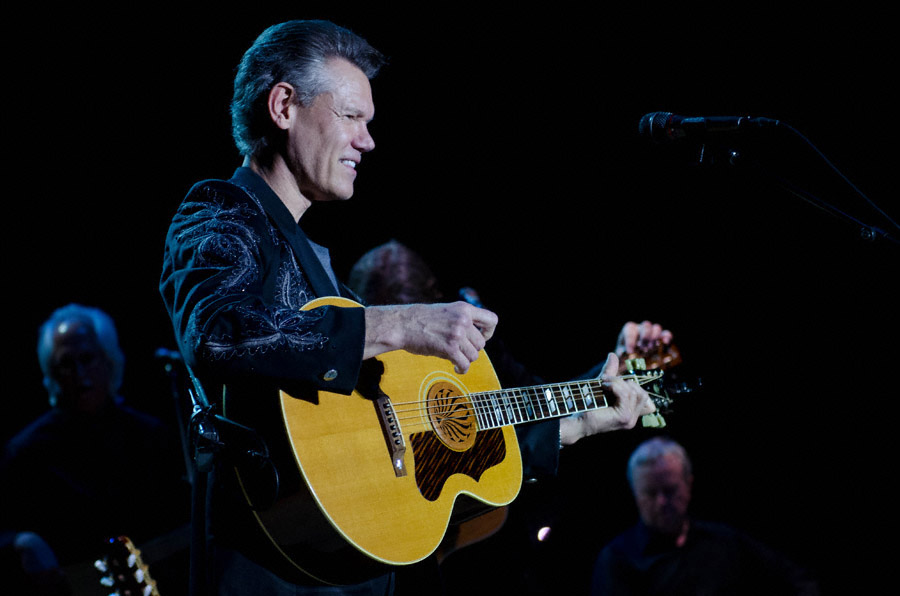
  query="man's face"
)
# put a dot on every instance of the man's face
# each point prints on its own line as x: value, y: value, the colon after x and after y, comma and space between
x: 329, y: 136
x: 662, y: 494
x: 79, y: 367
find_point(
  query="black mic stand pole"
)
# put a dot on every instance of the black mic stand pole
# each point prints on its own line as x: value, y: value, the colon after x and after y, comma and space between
x: 201, y: 465
x: 712, y: 155
x: 172, y: 372
x: 197, y: 467
x: 213, y: 436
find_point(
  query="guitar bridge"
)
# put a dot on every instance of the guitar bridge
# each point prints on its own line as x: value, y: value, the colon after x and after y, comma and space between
x: 393, y: 436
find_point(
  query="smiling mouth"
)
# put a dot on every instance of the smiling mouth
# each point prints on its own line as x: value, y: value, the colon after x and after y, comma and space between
x: 349, y: 163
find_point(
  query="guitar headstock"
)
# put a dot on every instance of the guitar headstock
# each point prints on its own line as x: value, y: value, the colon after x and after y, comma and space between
x: 663, y: 356
x: 123, y: 571
x: 648, y: 368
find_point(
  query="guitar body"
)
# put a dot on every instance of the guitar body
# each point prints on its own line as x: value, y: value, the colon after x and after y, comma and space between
x: 366, y: 503
x: 471, y: 532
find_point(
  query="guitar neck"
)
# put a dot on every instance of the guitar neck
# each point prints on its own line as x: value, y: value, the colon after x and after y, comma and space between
x: 505, y: 407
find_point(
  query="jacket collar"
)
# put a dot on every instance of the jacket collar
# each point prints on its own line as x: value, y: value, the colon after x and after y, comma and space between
x: 289, y: 228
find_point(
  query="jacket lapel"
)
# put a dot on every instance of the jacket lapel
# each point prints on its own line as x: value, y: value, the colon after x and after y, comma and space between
x: 290, y: 229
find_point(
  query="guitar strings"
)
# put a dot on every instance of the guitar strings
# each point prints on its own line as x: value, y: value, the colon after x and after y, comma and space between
x: 414, y: 417
x: 512, y: 401
x: 540, y: 389
x: 413, y: 420
x: 511, y: 394
x: 464, y: 412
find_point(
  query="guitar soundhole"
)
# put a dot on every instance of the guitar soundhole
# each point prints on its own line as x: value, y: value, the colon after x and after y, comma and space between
x: 451, y: 416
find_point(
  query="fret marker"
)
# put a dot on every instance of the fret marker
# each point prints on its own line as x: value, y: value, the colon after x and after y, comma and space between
x: 498, y: 410
x: 551, y: 403
x: 570, y: 403
x: 510, y: 413
x: 529, y: 409
x: 588, y: 395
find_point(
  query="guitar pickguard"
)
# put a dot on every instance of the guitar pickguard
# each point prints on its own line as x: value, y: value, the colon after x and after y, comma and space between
x: 435, y: 463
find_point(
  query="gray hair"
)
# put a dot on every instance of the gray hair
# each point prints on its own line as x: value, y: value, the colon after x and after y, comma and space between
x: 105, y: 331
x: 294, y: 52
x: 653, y: 450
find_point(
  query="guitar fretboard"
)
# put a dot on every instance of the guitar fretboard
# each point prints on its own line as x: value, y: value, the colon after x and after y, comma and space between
x: 494, y: 409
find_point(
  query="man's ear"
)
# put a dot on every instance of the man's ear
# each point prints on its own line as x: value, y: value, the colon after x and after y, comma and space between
x: 280, y: 102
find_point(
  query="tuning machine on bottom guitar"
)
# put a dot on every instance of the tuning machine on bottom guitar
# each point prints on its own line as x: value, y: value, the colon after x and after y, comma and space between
x: 123, y: 571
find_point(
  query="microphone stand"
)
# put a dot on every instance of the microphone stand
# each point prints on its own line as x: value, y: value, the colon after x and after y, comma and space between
x: 710, y: 156
x: 170, y: 358
x: 213, y: 436
x: 204, y: 438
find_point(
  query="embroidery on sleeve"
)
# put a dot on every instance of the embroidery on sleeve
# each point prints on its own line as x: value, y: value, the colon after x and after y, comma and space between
x: 223, y: 240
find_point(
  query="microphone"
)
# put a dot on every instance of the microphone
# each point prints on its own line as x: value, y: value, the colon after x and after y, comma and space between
x: 666, y: 126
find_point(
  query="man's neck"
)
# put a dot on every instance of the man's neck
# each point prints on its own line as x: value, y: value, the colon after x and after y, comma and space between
x: 279, y: 178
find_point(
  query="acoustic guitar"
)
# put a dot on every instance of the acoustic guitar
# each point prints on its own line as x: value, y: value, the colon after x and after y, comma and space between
x: 385, y: 471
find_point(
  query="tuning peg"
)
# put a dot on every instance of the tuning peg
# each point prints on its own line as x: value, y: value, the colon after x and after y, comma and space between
x: 107, y: 581
x: 635, y: 363
x: 653, y: 421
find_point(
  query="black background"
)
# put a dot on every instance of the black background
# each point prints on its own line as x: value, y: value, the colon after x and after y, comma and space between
x: 508, y: 155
